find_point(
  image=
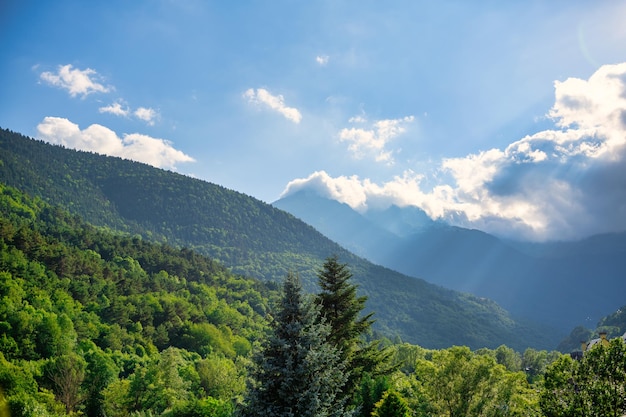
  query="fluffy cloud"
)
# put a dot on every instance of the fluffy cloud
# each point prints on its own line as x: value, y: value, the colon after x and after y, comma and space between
x: 75, y: 81
x: 372, y: 141
x: 115, y: 109
x: 261, y: 96
x: 118, y: 108
x: 146, y: 114
x: 361, y: 194
x: 564, y: 183
x: 96, y: 138
x: 85, y: 82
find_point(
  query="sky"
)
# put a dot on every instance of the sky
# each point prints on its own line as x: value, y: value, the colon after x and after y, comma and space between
x: 508, y: 117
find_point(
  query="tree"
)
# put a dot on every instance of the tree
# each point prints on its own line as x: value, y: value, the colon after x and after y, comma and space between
x: 298, y: 372
x: 459, y: 383
x: 507, y: 357
x: 67, y: 373
x: 206, y: 407
x: 534, y: 363
x: 391, y: 405
x: 593, y: 386
x: 370, y: 392
x: 99, y: 372
x: 219, y: 377
x: 559, y: 397
x: 341, y: 308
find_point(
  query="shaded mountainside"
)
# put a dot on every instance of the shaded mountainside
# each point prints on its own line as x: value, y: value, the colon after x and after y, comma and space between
x: 614, y: 325
x: 251, y: 238
x: 562, y: 284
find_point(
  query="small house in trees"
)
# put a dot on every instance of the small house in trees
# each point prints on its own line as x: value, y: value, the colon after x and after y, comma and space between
x: 585, y: 346
x: 602, y: 340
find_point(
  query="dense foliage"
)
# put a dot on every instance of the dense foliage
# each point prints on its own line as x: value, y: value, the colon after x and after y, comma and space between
x: 97, y: 323
x: 251, y: 238
x: 593, y: 386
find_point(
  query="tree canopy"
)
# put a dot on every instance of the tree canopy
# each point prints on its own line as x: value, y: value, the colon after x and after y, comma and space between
x: 593, y: 386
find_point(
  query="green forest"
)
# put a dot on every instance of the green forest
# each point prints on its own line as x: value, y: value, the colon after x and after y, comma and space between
x: 253, y: 239
x: 99, y: 323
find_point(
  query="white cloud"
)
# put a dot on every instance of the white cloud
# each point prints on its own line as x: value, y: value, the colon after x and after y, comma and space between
x: 263, y: 97
x: 322, y: 60
x: 146, y: 114
x: 115, y: 109
x: 85, y: 82
x: 118, y: 108
x: 357, y: 119
x: 372, y: 141
x: 75, y: 81
x: 362, y: 194
x: 558, y: 184
x: 100, y: 139
x: 349, y: 190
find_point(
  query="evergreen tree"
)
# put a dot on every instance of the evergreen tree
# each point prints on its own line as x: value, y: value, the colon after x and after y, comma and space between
x: 391, y: 405
x: 341, y: 308
x: 298, y: 372
x: 371, y: 392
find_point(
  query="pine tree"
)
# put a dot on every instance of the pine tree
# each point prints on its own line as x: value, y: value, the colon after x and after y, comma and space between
x: 297, y: 373
x: 391, y: 405
x: 341, y: 308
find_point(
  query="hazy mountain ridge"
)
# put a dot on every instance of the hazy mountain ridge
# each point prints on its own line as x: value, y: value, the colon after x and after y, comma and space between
x: 562, y: 283
x: 251, y: 238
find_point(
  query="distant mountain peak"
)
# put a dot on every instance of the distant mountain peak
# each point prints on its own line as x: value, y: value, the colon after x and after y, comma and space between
x: 402, y: 221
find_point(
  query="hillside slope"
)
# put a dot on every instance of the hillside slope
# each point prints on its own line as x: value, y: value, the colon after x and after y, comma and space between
x: 563, y: 284
x: 250, y: 237
x: 93, y: 321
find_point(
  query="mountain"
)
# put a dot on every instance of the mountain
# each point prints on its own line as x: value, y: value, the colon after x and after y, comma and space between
x: 252, y: 238
x: 614, y: 325
x: 563, y: 284
x: 339, y: 222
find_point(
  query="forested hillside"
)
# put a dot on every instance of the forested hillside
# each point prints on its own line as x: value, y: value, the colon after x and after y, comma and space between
x: 99, y: 323
x: 250, y: 238
x: 83, y: 309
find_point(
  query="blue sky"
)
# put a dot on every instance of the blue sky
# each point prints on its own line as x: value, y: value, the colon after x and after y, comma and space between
x: 508, y: 117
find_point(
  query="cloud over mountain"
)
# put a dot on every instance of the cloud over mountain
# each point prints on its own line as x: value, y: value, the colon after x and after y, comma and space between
x: 100, y: 139
x: 563, y: 183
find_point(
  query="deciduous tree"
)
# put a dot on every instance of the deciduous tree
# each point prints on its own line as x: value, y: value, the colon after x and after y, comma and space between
x: 594, y: 386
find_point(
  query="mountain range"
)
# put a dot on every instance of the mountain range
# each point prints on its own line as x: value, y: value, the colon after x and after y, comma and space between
x: 254, y: 239
x: 562, y: 284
